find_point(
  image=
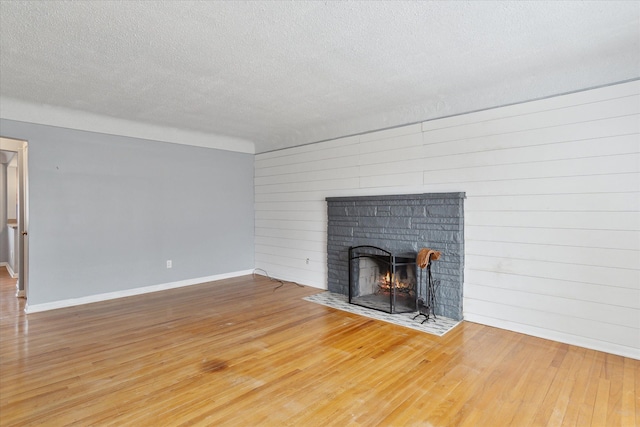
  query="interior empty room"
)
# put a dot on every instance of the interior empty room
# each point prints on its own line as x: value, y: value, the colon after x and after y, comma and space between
x: 351, y: 213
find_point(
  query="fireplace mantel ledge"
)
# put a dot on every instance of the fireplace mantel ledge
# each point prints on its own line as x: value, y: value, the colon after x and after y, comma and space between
x: 399, y: 197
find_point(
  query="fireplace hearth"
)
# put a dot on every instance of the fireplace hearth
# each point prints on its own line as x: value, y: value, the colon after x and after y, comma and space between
x: 381, y: 280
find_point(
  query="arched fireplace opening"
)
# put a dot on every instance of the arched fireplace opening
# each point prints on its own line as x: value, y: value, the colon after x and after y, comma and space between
x: 381, y: 280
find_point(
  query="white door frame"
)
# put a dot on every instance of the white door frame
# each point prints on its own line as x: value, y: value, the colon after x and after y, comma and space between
x: 21, y: 147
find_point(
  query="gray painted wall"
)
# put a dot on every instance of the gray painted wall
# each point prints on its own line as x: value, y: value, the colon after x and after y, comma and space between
x: 106, y: 212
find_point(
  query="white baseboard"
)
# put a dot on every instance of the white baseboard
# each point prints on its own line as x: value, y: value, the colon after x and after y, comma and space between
x: 130, y: 292
x: 607, y: 347
x: 9, y: 269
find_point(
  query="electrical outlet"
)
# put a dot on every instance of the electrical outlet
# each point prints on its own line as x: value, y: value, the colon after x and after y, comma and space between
x: 169, y: 263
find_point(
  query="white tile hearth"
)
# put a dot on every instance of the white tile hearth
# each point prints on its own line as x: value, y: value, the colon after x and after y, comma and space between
x: 438, y: 326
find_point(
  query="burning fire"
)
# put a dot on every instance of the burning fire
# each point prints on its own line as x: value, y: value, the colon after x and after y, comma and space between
x: 387, y: 282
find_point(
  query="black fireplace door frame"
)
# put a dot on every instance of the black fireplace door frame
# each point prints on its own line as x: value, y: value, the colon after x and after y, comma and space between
x: 354, y: 253
x: 357, y: 252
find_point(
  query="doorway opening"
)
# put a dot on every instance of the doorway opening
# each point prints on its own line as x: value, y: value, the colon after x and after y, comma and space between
x: 15, y: 211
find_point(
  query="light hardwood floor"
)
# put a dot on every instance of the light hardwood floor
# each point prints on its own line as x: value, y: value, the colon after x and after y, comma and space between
x: 239, y: 353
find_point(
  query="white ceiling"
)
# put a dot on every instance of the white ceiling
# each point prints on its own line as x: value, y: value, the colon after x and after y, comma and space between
x: 283, y: 73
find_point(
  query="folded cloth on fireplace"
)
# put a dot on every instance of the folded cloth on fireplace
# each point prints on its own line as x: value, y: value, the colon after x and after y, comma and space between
x: 425, y: 255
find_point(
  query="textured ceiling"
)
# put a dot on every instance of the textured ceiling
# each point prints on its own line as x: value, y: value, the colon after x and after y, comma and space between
x: 282, y: 73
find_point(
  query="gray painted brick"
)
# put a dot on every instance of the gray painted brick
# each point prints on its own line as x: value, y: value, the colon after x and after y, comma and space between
x: 449, y: 211
x: 384, y: 222
x: 409, y: 211
x: 340, y: 231
x: 337, y: 211
x: 418, y: 225
x: 360, y: 211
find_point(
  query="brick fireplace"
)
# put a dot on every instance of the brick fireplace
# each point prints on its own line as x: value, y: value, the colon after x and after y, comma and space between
x: 402, y: 224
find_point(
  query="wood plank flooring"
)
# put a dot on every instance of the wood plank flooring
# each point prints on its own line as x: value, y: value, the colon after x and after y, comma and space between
x: 239, y: 353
